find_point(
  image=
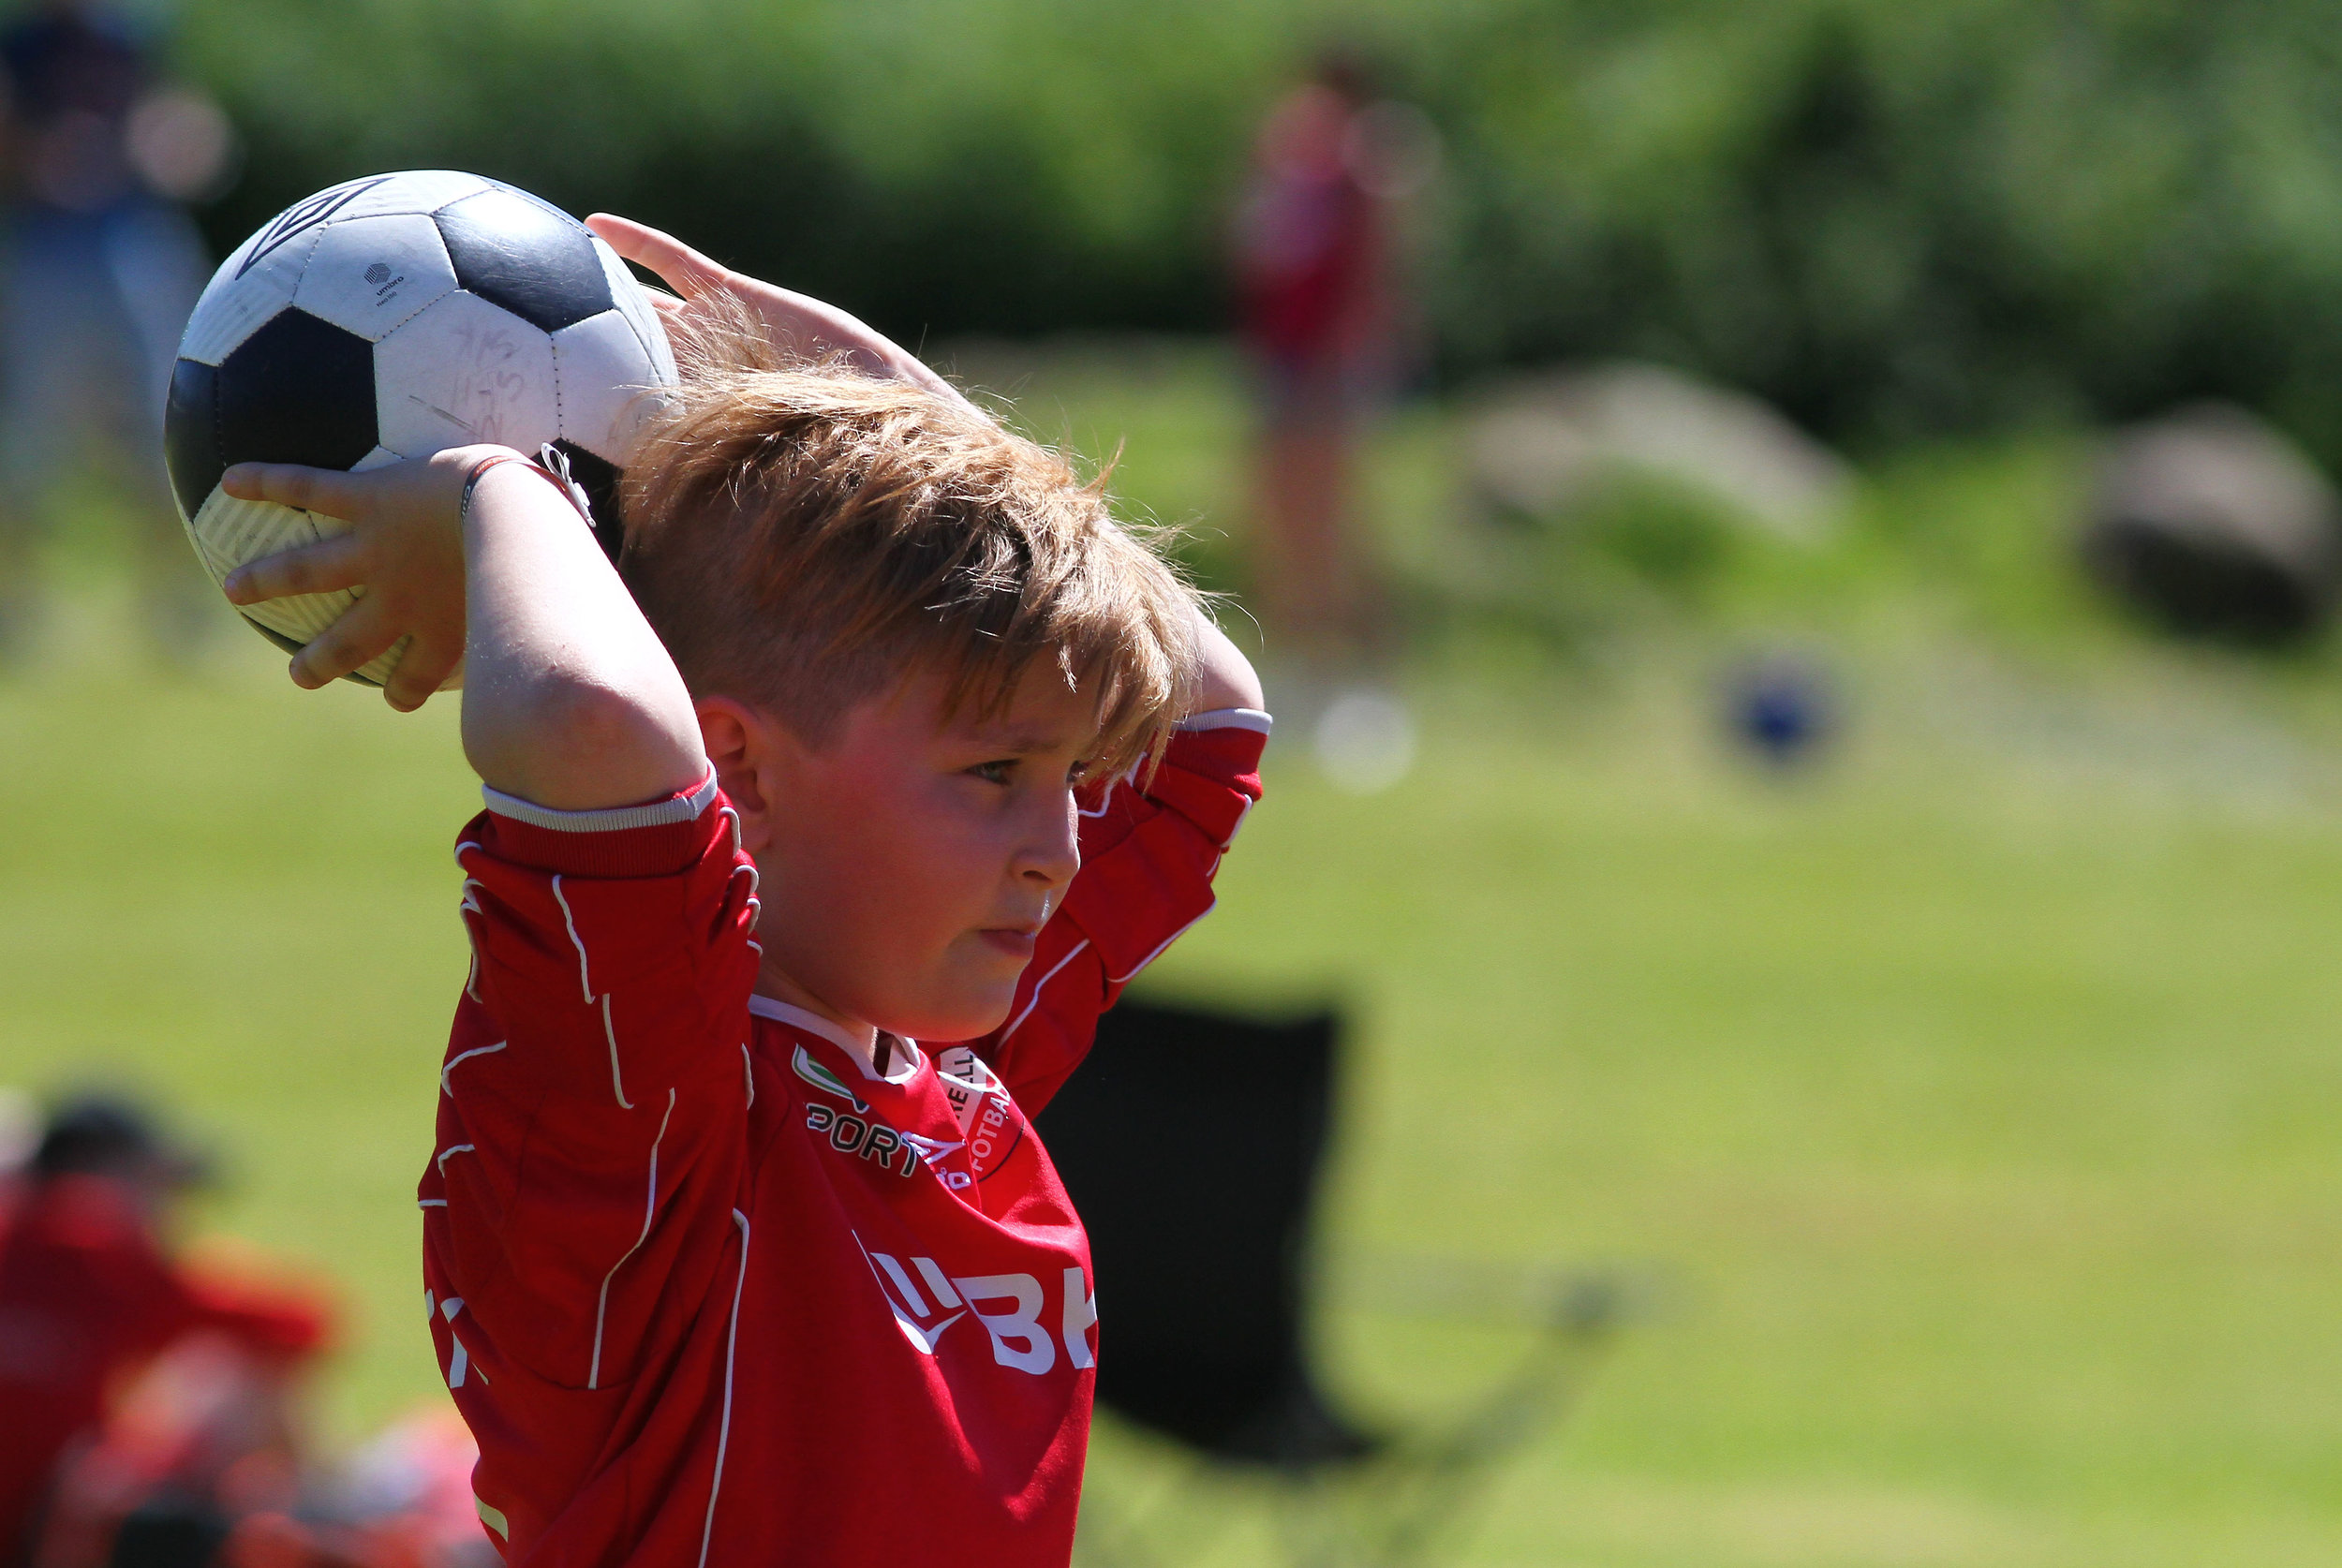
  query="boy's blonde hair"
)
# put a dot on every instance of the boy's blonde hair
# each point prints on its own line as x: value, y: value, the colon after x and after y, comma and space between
x: 802, y: 535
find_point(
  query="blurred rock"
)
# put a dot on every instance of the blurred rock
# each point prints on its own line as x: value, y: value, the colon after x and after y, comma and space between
x: 2212, y: 523
x: 1540, y: 444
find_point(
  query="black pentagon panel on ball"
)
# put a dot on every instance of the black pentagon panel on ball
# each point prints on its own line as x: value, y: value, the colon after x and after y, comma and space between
x: 300, y: 390
x: 533, y: 260
x: 598, y: 478
x: 191, y: 434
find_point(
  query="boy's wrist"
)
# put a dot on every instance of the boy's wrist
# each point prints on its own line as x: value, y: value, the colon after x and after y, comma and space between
x: 463, y: 459
x: 480, y: 468
x: 469, y: 468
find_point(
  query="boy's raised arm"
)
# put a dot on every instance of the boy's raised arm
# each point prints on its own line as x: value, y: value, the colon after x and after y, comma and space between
x: 1224, y: 678
x: 569, y: 700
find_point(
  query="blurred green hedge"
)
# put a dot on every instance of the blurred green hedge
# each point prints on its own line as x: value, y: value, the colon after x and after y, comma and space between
x: 1890, y: 217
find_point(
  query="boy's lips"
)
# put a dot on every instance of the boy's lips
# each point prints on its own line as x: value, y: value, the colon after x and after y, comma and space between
x: 1016, y: 940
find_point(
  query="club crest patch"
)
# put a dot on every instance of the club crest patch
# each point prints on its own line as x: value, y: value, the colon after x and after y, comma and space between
x: 823, y: 1078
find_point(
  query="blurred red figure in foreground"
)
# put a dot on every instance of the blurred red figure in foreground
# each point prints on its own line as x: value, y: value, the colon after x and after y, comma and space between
x: 1321, y: 317
x: 124, y: 1374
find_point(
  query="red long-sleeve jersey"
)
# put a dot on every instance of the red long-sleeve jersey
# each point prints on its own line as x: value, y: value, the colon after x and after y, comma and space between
x: 707, y: 1289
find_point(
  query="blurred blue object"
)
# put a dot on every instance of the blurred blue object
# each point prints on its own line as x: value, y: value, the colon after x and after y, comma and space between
x: 1781, y: 708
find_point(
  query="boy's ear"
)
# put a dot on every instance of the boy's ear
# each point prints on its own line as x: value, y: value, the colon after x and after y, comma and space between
x: 738, y: 740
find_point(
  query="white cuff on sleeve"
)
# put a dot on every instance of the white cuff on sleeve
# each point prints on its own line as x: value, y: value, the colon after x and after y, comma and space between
x: 617, y: 818
x: 1229, y: 718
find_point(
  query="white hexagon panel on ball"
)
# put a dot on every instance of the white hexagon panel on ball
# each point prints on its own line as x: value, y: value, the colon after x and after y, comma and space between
x: 465, y: 371
x: 251, y: 286
x: 371, y: 276
x: 606, y: 380
x: 413, y: 190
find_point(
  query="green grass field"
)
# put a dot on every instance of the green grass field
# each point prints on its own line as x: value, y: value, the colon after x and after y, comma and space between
x: 1976, y: 1095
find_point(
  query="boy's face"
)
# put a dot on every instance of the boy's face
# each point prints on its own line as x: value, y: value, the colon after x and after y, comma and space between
x: 908, y: 863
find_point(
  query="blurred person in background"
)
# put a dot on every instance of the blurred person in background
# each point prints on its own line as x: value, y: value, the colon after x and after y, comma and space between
x: 138, y: 1392
x: 1323, y: 321
x: 100, y: 268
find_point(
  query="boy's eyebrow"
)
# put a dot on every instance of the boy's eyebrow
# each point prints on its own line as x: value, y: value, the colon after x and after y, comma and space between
x: 1017, y: 740
x: 1015, y: 743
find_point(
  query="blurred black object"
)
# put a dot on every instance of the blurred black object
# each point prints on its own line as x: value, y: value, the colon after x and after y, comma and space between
x: 111, y: 1135
x: 1191, y: 1144
x: 170, y: 1532
x: 2213, y: 525
x: 1782, y: 708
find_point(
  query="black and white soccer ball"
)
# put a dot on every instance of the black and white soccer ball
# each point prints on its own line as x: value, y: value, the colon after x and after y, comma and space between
x: 395, y: 316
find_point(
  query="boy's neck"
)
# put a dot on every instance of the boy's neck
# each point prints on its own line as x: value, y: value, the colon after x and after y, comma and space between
x: 772, y: 981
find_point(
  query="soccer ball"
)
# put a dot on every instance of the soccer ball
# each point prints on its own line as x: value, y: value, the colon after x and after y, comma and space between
x: 395, y: 316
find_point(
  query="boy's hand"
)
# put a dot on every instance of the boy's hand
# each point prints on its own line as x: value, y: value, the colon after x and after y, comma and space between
x: 404, y: 551
x: 798, y: 324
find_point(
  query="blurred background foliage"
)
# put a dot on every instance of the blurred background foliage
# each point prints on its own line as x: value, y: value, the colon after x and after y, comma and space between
x: 1888, y: 219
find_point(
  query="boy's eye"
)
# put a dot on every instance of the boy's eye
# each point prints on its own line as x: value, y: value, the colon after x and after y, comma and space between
x: 996, y: 772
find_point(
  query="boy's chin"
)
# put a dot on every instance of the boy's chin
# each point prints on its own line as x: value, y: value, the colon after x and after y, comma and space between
x: 968, y: 1015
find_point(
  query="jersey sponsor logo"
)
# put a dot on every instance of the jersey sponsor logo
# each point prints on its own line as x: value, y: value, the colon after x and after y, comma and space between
x: 872, y: 1139
x: 1011, y: 1308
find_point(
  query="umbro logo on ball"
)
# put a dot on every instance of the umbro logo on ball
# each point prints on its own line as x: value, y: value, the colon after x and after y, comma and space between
x: 301, y: 216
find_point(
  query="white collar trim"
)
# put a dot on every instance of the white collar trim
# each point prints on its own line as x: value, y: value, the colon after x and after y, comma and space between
x: 813, y: 1022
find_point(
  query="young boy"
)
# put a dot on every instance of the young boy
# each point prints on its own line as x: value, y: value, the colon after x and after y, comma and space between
x: 813, y: 850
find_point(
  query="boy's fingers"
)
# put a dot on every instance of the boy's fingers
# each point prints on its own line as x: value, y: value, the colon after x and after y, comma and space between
x: 288, y: 485
x: 312, y: 569
x: 683, y: 269
x: 422, y: 667
x: 363, y: 631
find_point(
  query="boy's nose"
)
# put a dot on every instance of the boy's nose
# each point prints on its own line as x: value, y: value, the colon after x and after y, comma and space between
x: 1053, y: 852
